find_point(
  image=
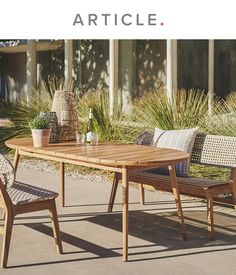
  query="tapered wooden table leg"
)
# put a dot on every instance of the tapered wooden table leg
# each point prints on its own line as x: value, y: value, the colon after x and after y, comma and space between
x: 113, y: 192
x: 125, y: 196
x: 62, y: 180
x: 141, y: 189
x: 16, y: 160
x: 175, y: 189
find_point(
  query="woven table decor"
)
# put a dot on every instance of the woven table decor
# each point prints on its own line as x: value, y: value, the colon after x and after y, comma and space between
x: 64, y: 105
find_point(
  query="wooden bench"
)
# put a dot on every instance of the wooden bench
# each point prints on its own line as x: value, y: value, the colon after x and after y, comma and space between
x: 208, y: 150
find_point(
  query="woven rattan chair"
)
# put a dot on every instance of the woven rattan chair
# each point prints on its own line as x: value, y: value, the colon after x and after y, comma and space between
x: 18, y: 198
x: 208, y: 150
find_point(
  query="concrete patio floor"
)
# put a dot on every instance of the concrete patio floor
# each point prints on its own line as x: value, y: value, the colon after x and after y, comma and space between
x: 92, y: 239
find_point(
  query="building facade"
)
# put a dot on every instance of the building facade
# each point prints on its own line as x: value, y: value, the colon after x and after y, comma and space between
x: 134, y: 67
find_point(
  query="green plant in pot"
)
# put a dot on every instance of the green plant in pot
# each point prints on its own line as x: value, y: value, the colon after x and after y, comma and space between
x: 40, y: 127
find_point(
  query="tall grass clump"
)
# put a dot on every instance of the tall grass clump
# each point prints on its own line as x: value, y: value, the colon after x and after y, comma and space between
x: 223, y: 118
x: 115, y: 127
x: 187, y: 109
x: 53, y: 84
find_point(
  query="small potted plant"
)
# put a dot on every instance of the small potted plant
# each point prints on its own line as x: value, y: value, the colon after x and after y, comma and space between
x: 40, y: 127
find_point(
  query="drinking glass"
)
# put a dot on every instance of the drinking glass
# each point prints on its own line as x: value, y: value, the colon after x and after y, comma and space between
x: 80, y: 138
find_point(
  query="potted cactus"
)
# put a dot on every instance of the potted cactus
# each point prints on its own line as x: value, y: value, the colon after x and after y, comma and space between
x: 40, y: 127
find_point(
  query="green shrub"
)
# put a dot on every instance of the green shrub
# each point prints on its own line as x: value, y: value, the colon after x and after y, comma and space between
x: 39, y: 123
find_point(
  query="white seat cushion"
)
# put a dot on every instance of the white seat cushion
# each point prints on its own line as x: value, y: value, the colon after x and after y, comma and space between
x: 21, y: 193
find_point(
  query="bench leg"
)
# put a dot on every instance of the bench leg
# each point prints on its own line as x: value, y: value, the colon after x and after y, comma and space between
x: 233, y: 177
x: 141, y: 194
x: 113, y: 192
x: 234, y: 199
x: 210, y: 217
x: 62, y: 181
x: 175, y: 189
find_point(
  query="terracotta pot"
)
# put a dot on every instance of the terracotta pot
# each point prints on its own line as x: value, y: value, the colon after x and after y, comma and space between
x: 40, y: 137
x: 52, y: 117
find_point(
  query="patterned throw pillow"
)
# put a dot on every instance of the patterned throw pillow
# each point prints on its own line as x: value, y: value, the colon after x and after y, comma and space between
x: 7, y: 172
x: 182, y: 140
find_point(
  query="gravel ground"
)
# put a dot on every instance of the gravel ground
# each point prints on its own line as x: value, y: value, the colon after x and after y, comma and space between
x: 49, y: 167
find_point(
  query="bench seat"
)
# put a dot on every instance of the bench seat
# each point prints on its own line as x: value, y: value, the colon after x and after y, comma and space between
x: 190, y: 186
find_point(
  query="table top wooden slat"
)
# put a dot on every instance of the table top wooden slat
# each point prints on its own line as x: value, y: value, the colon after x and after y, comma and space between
x: 107, y: 153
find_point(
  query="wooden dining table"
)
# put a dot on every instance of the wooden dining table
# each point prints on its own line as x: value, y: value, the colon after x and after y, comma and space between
x: 116, y: 157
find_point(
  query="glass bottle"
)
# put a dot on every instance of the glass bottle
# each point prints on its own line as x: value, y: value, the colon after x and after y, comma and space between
x: 90, y: 128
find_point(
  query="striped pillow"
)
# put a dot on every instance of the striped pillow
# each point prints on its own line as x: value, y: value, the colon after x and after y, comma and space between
x: 182, y: 140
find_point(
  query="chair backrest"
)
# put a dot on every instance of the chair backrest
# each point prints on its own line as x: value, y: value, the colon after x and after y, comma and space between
x: 7, y: 178
x: 7, y: 172
x: 214, y: 150
x: 208, y: 149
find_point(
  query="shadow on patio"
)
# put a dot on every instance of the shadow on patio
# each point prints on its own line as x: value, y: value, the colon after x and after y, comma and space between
x: 152, y: 235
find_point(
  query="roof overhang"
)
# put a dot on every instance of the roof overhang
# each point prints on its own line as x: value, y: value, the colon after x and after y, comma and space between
x: 40, y: 46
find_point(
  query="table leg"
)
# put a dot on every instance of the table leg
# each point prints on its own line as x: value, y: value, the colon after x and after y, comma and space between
x: 175, y: 188
x: 141, y: 189
x: 16, y: 160
x: 113, y: 192
x: 125, y: 201
x: 62, y: 180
